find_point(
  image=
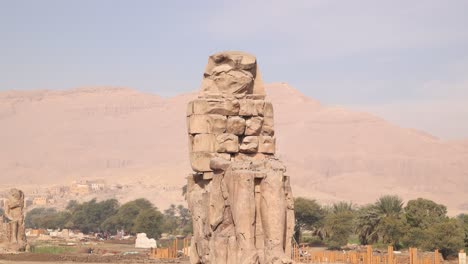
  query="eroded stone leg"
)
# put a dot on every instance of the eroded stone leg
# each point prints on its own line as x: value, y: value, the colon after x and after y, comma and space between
x: 259, y: 236
x: 198, y: 200
x: 290, y: 218
x: 240, y: 185
x: 273, y: 210
x: 221, y: 223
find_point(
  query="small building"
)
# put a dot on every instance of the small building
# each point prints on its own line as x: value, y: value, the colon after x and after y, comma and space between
x: 96, y: 186
x: 40, y: 200
x: 79, y: 189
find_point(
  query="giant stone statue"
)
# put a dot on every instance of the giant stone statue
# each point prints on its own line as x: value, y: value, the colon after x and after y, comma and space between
x: 12, y: 231
x: 239, y: 195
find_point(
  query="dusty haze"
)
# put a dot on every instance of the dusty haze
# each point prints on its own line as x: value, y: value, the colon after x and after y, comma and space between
x: 125, y: 136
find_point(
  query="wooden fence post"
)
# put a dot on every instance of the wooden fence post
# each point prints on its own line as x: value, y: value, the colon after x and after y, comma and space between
x: 369, y: 254
x: 390, y: 254
x: 436, y: 257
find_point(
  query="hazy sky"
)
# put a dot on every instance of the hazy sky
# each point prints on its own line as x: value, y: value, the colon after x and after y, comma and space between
x: 404, y: 60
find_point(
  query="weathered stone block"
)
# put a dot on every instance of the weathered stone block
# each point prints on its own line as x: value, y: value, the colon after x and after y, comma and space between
x: 204, y: 143
x: 202, y: 124
x: 235, y: 125
x: 253, y: 126
x: 208, y: 175
x: 225, y: 156
x: 228, y: 143
x: 249, y: 144
x: 216, y: 106
x: 255, y: 96
x: 259, y: 105
x: 268, y: 109
x: 200, y: 161
x: 218, y: 124
x: 247, y: 108
x: 198, y: 124
x: 219, y: 164
x: 249, y: 157
x: 268, y: 128
x: 266, y: 144
x: 190, y: 108
x: 190, y: 146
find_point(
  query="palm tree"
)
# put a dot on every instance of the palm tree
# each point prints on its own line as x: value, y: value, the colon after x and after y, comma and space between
x: 367, y: 221
x: 342, y: 207
x: 389, y: 205
x: 380, y: 221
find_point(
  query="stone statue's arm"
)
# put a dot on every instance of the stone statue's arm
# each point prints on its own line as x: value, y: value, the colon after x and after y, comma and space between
x: 6, y: 213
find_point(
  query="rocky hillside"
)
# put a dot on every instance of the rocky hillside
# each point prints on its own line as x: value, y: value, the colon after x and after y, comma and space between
x: 129, y: 137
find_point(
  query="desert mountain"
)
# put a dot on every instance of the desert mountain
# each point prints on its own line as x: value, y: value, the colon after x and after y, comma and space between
x: 139, y: 139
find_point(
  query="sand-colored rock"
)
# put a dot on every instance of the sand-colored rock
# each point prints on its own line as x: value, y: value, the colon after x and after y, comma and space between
x: 247, y: 108
x: 216, y: 106
x: 142, y: 241
x: 249, y: 144
x: 268, y: 128
x: 266, y: 144
x: 248, y: 217
x: 231, y: 73
x: 207, y: 124
x: 204, y: 143
x: 268, y: 109
x: 253, y: 126
x: 228, y: 143
x: 201, y: 161
x: 235, y: 125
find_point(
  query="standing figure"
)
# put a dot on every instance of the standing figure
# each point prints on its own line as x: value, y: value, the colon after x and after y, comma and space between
x: 13, y: 235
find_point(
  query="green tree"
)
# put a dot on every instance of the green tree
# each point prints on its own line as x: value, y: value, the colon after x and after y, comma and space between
x: 420, y: 215
x: 177, y: 220
x: 184, y: 215
x: 389, y: 205
x: 463, y: 219
x: 447, y: 236
x: 149, y: 221
x: 382, y: 221
x: 125, y: 216
x: 309, y: 216
x: 72, y: 205
x: 89, y: 216
x: 366, y: 225
x: 170, y: 219
x: 338, y: 225
x: 391, y: 230
x: 47, y: 218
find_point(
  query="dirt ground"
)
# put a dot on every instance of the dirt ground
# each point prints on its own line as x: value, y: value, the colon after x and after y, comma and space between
x: 31, y: 258
x: 57, y: 251
x: 55, y: 259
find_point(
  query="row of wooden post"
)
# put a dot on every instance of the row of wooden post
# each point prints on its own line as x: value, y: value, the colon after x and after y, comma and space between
x: 171, y: 251
x: 368, y: 257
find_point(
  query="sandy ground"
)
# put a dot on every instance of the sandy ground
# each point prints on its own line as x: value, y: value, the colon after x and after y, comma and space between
x: 36, y: 262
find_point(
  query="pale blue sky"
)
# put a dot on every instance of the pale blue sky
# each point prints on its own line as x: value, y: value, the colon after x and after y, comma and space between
x: 404, y: 60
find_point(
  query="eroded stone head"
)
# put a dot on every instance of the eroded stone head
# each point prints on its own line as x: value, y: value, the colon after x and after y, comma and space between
x: 16, y: 198
x: 232, y: 73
